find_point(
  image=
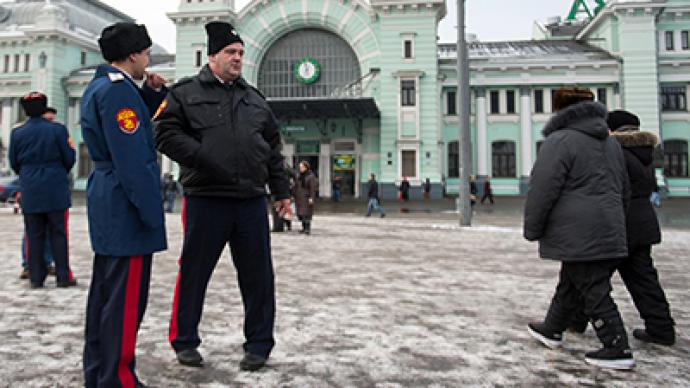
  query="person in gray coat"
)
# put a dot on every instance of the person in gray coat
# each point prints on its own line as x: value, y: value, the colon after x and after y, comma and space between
x: 575, y: 208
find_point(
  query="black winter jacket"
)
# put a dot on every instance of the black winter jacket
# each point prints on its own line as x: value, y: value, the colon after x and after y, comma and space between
x: 225, y: 138
x: 642, y: 224
x: 578, y: 189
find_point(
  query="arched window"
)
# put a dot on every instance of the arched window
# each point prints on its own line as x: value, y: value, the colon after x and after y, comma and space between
x: 503, y: 159
x: 676, y: 158
x: 328, y: 61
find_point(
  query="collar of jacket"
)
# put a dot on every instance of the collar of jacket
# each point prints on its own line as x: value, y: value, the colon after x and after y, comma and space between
x: 636, y: 138
x: 105, y: 69
x: 206, y: 76
x: 574, y: 114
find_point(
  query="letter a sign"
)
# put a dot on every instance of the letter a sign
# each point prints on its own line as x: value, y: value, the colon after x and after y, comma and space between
x: 580, y: 7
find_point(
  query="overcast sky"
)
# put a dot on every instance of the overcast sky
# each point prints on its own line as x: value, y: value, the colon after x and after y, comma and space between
x: 489, y: 19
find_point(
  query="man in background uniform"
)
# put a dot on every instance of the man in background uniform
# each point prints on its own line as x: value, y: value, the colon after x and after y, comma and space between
x: 41, y: 153
x: 125, y: 209
x: 226, y: 139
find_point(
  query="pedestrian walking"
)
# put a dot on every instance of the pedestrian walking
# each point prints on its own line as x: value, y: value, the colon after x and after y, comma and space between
x: 473, y: 190
x: 642, y: 227
x: 405, y: 189
x: 337, y: 185
x: 488, y: 193
x: 306, y: 186
x: 125, y: 209
x: 226, y: 139
x: 374, y: 202
x: 575, y: 209
x: 42, y: 154
x: 427, y: 189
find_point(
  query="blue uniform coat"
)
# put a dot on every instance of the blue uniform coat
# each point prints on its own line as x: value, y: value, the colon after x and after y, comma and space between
x: 42, y: 154
x: 123, y: 193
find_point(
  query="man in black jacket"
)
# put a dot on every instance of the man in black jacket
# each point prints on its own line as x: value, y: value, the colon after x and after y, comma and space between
x: 575, y: 209
x: 226, y: 139
x: 374, y: 202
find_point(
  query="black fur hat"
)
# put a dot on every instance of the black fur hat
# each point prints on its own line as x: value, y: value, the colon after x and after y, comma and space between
x: 221, y: 34
x: 121, y: 39
x: 621, y: 120
x: 34, y: 104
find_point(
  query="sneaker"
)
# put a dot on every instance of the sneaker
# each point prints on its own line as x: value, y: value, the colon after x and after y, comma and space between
x: 540, y: 332
x: 611, y: 358
x: 252, y: 362
x: 24, y: 274
x: 642, y: 335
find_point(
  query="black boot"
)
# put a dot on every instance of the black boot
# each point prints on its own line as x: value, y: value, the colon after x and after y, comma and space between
x: 616, y: 353
x: 304, y: 227
x: 307, y: 227
x: 645, y: 336
x: 288, y: 224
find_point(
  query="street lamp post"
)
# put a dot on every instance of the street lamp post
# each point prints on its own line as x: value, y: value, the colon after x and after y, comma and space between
x: 465, y: 161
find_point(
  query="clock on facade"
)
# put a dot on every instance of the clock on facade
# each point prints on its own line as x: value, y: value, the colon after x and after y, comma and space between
x: 307, y: 70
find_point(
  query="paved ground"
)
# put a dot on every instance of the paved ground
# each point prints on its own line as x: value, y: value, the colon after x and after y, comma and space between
x: 409, y: 300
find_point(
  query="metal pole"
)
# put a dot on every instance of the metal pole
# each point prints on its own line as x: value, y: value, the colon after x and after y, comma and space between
x: 463, y: 72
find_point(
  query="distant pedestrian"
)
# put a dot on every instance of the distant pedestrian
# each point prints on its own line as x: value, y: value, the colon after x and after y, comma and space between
x: 42, y: 153
x: 575, y: 208
x: 374, y: 202
x: 306, y: 186
x: 427, y: 189
x: 488, y: 193
x: 337, y: 186
x: 170, y: 191
x: 405, y: 189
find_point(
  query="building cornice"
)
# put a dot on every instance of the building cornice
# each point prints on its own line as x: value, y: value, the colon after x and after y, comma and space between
x: 200, y: 16
x: 650, y: 6
x: 387, y: 6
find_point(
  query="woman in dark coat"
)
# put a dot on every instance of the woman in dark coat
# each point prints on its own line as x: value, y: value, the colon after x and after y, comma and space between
x: 306, y: 186
x: 575, y: 209
x: 638, y: 272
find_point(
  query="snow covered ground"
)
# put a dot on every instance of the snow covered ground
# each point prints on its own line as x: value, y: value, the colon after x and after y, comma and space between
x: 362, y: 302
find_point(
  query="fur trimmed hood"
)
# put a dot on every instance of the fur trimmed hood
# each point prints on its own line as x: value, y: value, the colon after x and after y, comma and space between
x: 632, y: 138
x: 588, y: 117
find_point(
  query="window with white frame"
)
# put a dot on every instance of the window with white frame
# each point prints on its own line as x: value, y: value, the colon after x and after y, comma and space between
x: 673, y: 98
x: 197, y: 58
x: 408, y: 52
x: 538, y: 101
x: 676, y: 158
x: 668, y: 41
x: 503, y: 159
x: 601, y: 95
x: 685, y: 40
x: 494, y: 102
x: 453, y: 159
x: 27, y: 62
x: 408, y: 93
x: 451, y: 103
x: 510, y: 102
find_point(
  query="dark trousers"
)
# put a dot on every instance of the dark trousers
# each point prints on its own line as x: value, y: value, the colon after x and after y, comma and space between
x: 642, y: 281
x: 489, y: 196
x: 52, y: 226
x: 116, y: 305
x: 588, y: 283
x: 209, y: 224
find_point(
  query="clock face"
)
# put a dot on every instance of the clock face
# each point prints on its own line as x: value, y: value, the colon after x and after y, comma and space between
x: 307, y: 70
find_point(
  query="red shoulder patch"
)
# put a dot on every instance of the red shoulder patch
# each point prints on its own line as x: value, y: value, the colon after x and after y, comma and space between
x: 127, y: 120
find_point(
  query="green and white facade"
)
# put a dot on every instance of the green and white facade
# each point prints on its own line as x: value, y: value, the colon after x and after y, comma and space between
x: 365, y: 86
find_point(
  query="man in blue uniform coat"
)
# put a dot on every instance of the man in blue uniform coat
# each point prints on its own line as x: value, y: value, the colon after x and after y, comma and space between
x: 126, y: 221
x: 41, y: 152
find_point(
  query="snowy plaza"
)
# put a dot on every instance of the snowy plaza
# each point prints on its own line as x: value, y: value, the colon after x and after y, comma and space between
x: 408, y: 300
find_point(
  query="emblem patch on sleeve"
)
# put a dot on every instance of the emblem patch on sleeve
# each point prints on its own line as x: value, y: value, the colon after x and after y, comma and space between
x: 127, y: 120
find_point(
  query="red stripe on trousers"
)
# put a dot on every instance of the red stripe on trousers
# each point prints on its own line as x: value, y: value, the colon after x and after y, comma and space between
x: 70, y: 276
x: 129, y: 322
x: 172, y: 331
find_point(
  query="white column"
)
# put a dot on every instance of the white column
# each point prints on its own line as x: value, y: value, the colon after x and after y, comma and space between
x: 325, y: 170
x: 482, y: 138
x: 5, y: 130
x: 526, y: 131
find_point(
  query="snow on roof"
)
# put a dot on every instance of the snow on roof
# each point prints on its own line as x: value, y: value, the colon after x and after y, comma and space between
x: 527, y: 50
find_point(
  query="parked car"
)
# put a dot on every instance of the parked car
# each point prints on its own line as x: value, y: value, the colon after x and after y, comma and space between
x: 9, y: 187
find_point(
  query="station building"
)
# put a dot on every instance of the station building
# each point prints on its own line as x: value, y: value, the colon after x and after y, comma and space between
x: 366, y: 87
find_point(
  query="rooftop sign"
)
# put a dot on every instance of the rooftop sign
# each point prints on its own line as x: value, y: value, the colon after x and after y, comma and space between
x: 581, y: 7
